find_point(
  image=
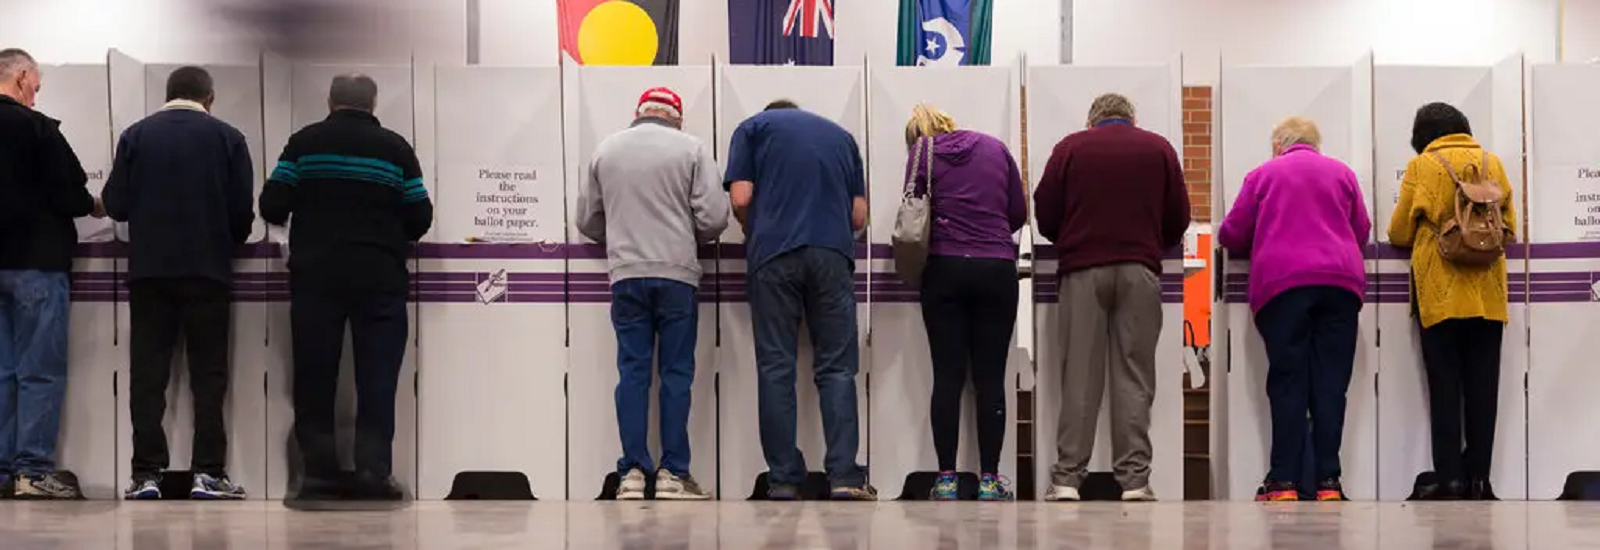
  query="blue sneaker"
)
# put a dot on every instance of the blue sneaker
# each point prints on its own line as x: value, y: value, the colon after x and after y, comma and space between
x: 144, y: 488
x: 782, y: 492
x: 945, y: 488
x: 993, y: 488
x: 209, y: 487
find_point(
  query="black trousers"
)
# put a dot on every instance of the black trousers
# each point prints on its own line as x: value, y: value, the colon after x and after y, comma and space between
x: 379, y: 331
x: 969, y: 306
x: 202, y: 311
x: 1310, y: 334
x: 1462, y: 357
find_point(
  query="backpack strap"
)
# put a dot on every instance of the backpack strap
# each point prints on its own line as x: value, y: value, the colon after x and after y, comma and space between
x: 1447, y: 168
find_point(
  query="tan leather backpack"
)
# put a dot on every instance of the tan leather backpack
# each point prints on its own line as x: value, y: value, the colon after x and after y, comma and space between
x: 1475, y: 235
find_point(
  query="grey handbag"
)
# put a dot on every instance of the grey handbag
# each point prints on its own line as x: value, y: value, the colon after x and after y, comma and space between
x: 914, y: 222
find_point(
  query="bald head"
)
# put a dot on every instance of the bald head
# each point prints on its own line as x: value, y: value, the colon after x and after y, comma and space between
x: 353, y: 91
x: 19, y: 76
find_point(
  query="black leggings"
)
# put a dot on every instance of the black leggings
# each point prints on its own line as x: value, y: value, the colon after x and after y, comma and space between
x: 969, y: 306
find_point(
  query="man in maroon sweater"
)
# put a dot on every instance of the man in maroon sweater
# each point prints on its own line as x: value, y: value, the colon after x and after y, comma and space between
x: 1113, y: 201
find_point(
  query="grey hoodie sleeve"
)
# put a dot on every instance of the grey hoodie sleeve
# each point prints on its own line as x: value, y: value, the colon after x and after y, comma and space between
x: 591, y: 205
x: 707, y: 200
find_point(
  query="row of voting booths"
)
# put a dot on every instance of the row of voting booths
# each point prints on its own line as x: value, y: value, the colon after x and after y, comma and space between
x: 511, y: 369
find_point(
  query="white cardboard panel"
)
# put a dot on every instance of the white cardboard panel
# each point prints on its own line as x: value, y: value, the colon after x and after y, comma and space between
x: 1059, y: 99
x: 79, y: 96
x: 604, y: 103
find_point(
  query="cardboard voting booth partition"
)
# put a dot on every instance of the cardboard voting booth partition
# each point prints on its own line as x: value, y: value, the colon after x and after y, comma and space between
x: 605, y: 102
x: 1492, y: 99
x: 982, y: 99
x: 839, y: 94
x: 295, y: 95
x: 491, y: 387
x: 77, y: 95
x: 1253, y: 100
x: 1563, y: 259
x: 1058, y: 104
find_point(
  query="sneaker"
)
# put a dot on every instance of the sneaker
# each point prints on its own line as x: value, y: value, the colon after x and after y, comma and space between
x: 1142, y: 494
x: 863, y: 492
x: 1062, y: 493
x: 51, y: 486
x: 993, y: 488
x: 1277, y: 491
x: 783, y: 492
x: 671, y: 487
x: 144, y: 487
x: 632, y: 486
x: 372, y: 486
x: 1331, y: 490
x: 219, y: 487
x: 945, y: 488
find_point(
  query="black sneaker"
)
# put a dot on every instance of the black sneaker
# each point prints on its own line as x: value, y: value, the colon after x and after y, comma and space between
x: 314, y: 487
x: 371, y: 486
x: 51, y: 486
x: 1480, y: 489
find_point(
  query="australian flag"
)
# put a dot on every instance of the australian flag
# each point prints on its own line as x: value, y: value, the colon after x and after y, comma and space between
x: 780, y: 32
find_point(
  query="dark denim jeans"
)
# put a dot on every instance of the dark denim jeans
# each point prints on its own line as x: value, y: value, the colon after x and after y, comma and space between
x: 818, y: 285
x: 34, y: 306
x: 1310, y: 334
x: 653, y: 315
x: 379, y: 337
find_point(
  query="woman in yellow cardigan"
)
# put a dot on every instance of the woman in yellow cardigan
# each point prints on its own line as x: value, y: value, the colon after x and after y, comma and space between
x: 1462, y: 309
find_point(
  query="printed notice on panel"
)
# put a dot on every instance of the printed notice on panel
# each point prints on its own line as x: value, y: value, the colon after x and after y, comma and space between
x: 502, y: 204
x: 1586, y: 202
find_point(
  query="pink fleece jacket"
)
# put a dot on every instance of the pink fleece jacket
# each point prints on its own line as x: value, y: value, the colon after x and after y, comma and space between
x: 1302, y: 220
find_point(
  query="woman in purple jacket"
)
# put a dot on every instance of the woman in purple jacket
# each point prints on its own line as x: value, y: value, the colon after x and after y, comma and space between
x: 969, y: 286
x: 1301, y: 219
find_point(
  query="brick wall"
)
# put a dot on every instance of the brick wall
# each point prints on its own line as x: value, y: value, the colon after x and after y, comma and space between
x: 1197, y: 149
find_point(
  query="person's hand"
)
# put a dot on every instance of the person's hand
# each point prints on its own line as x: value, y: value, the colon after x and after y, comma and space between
x: 99, y: 208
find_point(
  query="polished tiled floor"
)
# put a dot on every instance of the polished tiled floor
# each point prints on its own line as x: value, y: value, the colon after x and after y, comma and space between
x: 741, y: 526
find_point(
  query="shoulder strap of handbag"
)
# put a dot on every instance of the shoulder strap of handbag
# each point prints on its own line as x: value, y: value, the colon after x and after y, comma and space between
x: 925, y: 147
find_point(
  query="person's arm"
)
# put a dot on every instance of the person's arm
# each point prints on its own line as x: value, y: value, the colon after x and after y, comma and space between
x: 116, y: 196
x: 278, y: 195
x: 1360, y: 222
x: 416, y: 206
x: 241, y: 187
x: 740, y: 177
x: 1238, y: 231
x: 859, y: 209
x: 66, y: 184
x: 1016, y: 195
x: 1176, y: 216
x: 1049, y: 200
x: 591, y: 205
x: 706, y: 200
x: 1403, y: 222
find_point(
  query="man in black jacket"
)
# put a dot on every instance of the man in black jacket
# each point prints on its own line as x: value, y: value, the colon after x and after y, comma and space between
x: 42, y: 189
x: 354, y: 192
x: 183, y: 181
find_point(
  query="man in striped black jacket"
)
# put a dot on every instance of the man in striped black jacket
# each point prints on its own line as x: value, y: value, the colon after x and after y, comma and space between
x: 354, y: 193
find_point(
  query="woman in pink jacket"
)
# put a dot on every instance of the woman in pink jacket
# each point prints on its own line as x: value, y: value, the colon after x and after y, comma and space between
x: 1302, y: 221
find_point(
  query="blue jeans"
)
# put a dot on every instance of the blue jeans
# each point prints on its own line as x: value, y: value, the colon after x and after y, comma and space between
x: 33, y: 368
x: 653, y: 315
x: 819, y: 285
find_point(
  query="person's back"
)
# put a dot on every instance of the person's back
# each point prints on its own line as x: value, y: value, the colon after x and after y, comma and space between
x: 807, y: 172
x: 41, y: 191
x: 1310, y: 224
x: 978, y: 199
x: 1112, y: 194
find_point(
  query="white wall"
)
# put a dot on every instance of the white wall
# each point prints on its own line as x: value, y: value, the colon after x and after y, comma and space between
x: 1581, y: 32
x: 1312, y: 31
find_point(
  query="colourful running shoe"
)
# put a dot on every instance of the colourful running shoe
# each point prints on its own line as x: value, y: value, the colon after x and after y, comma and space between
x: 1277, y: 491
x: 945, y: 488
x: 1331, y: 490
x: 993, y: 488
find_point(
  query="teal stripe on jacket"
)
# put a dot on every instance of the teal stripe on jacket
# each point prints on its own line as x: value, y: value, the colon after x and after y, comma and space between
x: 357, y: 161
x: 285, y: 173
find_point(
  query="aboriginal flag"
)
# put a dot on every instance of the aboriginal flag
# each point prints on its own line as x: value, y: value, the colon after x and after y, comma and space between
x: 620, y: 32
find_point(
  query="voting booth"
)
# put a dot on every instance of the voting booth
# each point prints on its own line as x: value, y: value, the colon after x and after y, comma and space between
x: 1492, y: 99
x: 77, y: 95
x: 1059, y: 98
x: 839, y: 94
x: 982, y: 99
x: 1253, y: 99
x: 492, y: 283
x: 1563, y: 206
x: 295, y: 95
x: 141, y: 90
x: 605, y: 103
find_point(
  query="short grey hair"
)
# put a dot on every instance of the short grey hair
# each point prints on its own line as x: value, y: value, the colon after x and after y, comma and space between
x: 1296, y: 130
x: 354, y: 91
x: 1110, y: 106
x: 13, y: 60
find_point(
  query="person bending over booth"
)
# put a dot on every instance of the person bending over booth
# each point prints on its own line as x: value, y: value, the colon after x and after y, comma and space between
x: 354, y: 193
x: 1302, y: 220
x: 969, y: 285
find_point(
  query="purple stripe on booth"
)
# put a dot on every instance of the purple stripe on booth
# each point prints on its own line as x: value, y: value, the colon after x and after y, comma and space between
x: 1560, y: 297
x: 1564, y: 251
x: 1048, y: 253
x: 521, y: 251
x: 93, y: 297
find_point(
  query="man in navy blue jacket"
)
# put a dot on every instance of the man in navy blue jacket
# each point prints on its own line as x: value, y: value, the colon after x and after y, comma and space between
x: 183, y: 182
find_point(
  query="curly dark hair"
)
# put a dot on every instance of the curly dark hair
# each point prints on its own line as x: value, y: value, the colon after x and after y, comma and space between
x: 1434, y: 121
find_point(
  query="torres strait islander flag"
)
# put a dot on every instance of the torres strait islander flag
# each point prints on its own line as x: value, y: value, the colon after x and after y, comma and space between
x: 620, y: 32
x: 781, y: 32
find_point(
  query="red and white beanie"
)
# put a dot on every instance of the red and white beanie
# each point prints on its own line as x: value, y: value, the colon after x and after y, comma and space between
x: 662, y: 98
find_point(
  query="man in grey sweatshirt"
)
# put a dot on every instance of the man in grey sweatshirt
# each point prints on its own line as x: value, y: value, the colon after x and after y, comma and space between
x: 652, y: 195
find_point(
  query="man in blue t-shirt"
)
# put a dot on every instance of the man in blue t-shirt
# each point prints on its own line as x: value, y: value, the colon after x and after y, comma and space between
x: 799, y: 190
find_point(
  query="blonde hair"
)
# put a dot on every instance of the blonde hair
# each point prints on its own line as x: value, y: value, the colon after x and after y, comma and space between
x: 927, y: 121
x: 1109, y: 106
x: 1295, y: 130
